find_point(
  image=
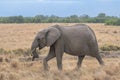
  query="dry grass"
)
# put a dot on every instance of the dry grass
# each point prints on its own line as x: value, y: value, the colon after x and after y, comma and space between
x: 14, y: 36
x: 32, y: 70
x: 106, y: 35
x: 20, y: 67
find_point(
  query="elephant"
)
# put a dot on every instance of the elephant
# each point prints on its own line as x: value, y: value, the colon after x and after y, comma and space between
x: 77, y: 40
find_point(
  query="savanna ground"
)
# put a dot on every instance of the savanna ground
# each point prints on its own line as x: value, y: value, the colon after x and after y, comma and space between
x: 14, y: 38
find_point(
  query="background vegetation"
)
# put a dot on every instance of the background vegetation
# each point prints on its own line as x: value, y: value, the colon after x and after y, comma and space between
x: 100, y: 18
x: 16, y: 63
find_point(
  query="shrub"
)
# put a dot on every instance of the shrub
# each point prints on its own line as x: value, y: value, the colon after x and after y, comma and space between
x: 2, y: 51
x: 25, y: 52
x: 110, y: 48
x: 113, y: 22
x: 21, y: 51
x: 18, y: 51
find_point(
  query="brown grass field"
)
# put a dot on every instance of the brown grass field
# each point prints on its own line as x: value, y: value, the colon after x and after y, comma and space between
x: 20, y: 67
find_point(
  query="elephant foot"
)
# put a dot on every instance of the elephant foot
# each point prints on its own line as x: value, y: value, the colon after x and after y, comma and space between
x: 77, y: 68
x: 102, y: 63
x: 46, y: 67
x: 60, y: 69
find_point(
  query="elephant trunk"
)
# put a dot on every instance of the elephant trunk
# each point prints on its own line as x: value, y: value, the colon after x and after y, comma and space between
x: 33, y: 49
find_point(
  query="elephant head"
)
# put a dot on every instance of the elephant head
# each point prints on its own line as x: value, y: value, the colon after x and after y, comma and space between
x: 46, y: 37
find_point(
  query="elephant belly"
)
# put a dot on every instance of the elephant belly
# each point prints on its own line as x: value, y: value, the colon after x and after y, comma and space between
x: 77, y: 50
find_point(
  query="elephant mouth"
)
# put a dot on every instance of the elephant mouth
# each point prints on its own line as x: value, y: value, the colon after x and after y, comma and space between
x: 40, y: 46
x: 34, y: 54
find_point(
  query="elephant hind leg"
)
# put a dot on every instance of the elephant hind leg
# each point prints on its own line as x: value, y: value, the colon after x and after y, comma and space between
x: 80, y: 59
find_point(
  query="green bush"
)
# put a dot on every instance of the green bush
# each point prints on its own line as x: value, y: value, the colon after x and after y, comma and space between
x: 113, y: 22
x: 17, y: 51
x: 21, y: 51
x: 101, y: 18
x: 110, y: 48
x: 2, y: 51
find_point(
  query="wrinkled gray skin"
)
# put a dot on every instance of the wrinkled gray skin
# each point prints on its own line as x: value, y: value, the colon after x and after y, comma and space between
x: 78, y: 40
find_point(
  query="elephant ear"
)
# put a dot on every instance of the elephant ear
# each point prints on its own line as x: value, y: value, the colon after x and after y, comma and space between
x: 52, y: 35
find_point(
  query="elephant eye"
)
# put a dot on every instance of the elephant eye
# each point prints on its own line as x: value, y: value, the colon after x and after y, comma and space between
x: 38, y: 39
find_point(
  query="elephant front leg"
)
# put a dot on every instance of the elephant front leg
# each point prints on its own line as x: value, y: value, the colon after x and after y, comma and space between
x: 50, y: 56
x: 59, y: 61
x: 59, y: 50
x: 59, y: 53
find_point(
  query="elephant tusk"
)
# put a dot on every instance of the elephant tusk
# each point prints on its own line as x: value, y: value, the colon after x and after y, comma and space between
x: 32, y: 51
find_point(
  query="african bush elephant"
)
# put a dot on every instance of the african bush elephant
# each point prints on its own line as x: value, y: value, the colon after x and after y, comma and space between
x: 78, y: 40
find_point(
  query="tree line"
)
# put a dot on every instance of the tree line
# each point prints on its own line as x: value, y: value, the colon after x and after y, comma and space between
x: 100, y: 18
